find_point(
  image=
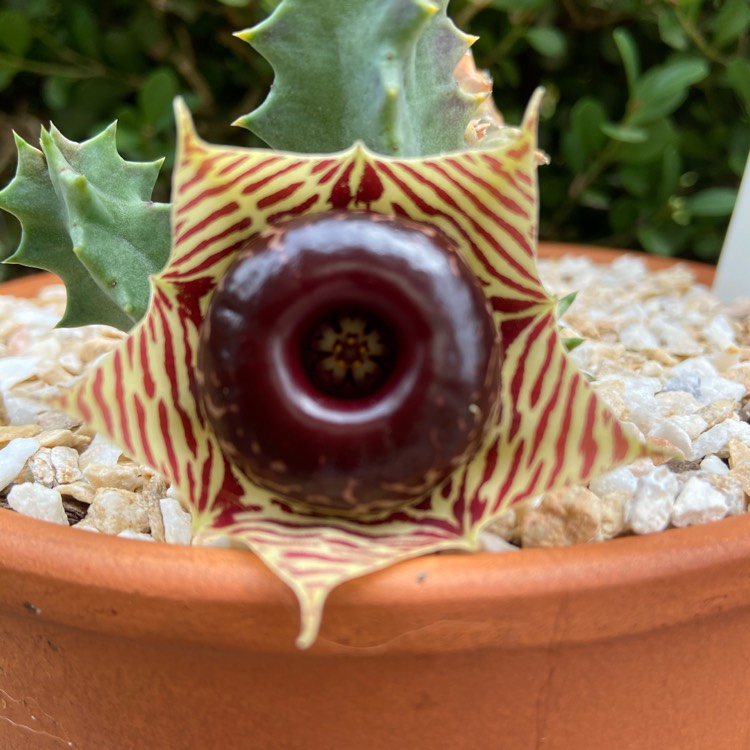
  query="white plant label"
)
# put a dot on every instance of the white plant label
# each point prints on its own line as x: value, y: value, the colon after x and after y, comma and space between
x: 733, y: 273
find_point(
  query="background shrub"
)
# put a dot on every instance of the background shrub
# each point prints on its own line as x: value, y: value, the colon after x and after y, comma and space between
x: 646, y: 119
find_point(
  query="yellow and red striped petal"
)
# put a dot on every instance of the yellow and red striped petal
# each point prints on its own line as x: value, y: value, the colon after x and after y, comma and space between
x: 550, y: 431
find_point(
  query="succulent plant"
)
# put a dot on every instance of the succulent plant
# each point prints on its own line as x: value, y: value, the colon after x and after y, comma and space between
x: 349, y: 358
x: 87, y: 215
x: 387, y: 80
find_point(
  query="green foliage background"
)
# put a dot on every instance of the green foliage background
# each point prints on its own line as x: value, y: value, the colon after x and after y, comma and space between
x: 646, y: 119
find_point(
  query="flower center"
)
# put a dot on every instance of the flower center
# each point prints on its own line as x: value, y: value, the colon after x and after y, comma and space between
x: 349, y: 353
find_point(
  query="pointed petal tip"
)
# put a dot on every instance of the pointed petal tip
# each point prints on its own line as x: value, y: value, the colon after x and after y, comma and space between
x: 533, y: 108
x: 186, y: 133
x: 181, y: 110
x: 305, y: 639
x: 311, y: 616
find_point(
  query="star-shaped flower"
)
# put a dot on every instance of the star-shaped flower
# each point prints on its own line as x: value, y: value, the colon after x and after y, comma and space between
x: 551, y: 429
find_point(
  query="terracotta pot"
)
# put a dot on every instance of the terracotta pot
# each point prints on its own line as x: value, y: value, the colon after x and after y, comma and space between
x: 638, y: 643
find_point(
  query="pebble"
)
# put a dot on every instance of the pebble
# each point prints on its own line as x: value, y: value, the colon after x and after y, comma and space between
x: 698, y: 502
x: 716, y: 439
x: 21, y: 411
x: 692, y: 424
x: 638, y: 337
x: 38, y: 501
x: 733, y: 490
x: 673, y: 434
x: 13, y: 458
x: 718, y: 388
x: 126, y: 476
x: 689, y: 382
x: 100, y: 451
x: 612, y: 507
x: 177, y: 523
x: 14, y: 370
x: 11, y: 432
x: 41, y: 468
x: 563, y: 517
x: 714, y: 465
x: 113, y: 511
x: 65, y: 463
x: 620, y: 480
x: 720, y: 333
x: 491, y: 542
x: 650, y: 508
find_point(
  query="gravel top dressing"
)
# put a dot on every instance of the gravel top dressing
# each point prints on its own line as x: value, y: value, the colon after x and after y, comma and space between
x: 666, y: 356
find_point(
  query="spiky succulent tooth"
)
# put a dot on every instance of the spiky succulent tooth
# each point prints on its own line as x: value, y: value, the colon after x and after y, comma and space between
x: 378, y: 72
x: 86, y: 214
x: 549, y: 430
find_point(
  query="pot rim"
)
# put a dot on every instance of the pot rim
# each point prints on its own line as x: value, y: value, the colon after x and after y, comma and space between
x: 227, y: 598
x: 525, y: 599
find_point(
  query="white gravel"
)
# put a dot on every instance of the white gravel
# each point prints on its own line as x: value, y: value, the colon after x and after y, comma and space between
x: 14, y: 457
x: 669, y: 360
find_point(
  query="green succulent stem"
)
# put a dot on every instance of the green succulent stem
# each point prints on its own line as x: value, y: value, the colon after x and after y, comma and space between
x: 87, y: 215
x: 376, y: 72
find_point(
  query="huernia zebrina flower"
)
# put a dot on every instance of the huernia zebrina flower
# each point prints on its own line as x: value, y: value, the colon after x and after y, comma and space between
x: 348, y: 359
x: 546, y: 429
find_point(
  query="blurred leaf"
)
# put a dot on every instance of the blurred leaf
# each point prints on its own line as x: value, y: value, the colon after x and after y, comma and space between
x: 659, y: 136
x: 637, y: 180
x: 586, y: 120
x: 584, y: 137
x: 547, y: 41
x: 90, y: 103
x: 15, y: 32
x: 129, y: 135
x: 56, y: 92
x: 656, y: 241
x: 738, y: 77
x: 596, y: 198
x: 671, y: 167
x: 573, y: 151
x: 731, y: 21
x: 84, y: 29
x: 714, y: 202
x: 516, y: 5
x: 122, y: 52
x: 623, y: 215
x: 664, y: 88
x: 670, y: 30
x: 509, y: 72
x: 629, y: 54
x: 624, y: 133
x: 707, y: 244
x: 147, y: 28
x: 188, y: 10
x: 7, y: 74
x: 156, y: 94
x: 739, y: 149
